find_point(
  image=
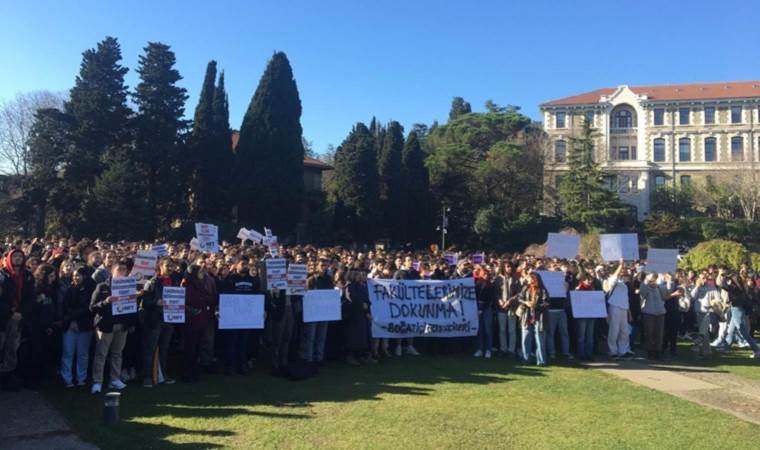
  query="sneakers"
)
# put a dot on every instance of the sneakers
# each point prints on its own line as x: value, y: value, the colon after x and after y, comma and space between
x: 81, y: 383
x: 96, y: 387
x: 398, y: 350
x: 410, y: 350
x: 117, y: 384
x: 69, y: 385
x: 478, y: 354
x: 168, y: 381
x: 488, y: 354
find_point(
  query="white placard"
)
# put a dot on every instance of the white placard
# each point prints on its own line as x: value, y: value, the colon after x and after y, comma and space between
x: 588, y: 304
x: 208, y: 237
x: 267, y: 232
x: 161, y: 250
x: 297, y: 274
x: 194, y: 244
x: 554, y: 282
x: 242, y: 234
x: 566, y: 246
x: 241, y: 312
x: 452, y: 259
x: 255, y: 236
x: 277, y: 273
x: 269, y: 240
x: 124, y: 293
x: 616, y: 246
x: 145, y: 266
x: 321, y: 305
x: 174, y: 304
x: 662, y: 260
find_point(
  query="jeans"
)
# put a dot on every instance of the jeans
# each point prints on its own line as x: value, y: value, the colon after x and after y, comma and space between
x: 106, y: 343
x: 557, y: 321
x: 159, y: 337
x: 507, y: 324
x: 529, y: 332
x: 75, y: 343
x: 739, y: 325
x: 485, y: 329
x: 585, y: 333
x: 313, y: 339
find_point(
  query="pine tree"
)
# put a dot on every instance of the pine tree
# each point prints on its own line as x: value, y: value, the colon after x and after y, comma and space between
x: 391, y: 180
x: 201, y: 147
x: 459, y: 107
x: 223, y: 163
x: 101, y: 127
x: 356, y: 185
x: 160, y: 108
x: 417, y: 207
x: 583, y: 198
x: 269, y: 155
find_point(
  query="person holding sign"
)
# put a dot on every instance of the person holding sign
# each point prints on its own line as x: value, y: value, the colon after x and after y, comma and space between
x: 236, y: 341
x: 356, y: 306
x: 199, y: 303
x: 533, y: 302
x: 618, y: 316
x: 157, y: 335
x: 280, y: 313
x: 653, y: 314
x: 585, y: 325
x: 314, y: 334
x: 110, y: 331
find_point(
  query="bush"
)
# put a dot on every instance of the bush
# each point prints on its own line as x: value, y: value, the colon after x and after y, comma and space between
x: 754, y: 259
x: 718, y: 252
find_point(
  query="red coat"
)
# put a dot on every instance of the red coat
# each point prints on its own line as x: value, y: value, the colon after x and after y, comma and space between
x: 198, y: 306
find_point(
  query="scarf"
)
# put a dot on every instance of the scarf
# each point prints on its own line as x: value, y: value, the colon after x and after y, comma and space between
x: 17, y: 276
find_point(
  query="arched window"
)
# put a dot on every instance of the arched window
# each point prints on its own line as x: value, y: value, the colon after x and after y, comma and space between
x: 710, y: 149
x: 684, y: 149
x: 623, y: 119
x: 659, y: 150
x: 560, y: 151
x: 737, y: 148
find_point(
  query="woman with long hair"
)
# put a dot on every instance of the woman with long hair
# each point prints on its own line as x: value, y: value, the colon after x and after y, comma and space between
x: 77, y: 328
x: 198, y: 304
x: 43, y: 328
x: 533, y: 302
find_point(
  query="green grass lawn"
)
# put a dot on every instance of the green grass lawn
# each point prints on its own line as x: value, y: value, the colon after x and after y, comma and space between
x: 423, y: 402
x: 736, y: 362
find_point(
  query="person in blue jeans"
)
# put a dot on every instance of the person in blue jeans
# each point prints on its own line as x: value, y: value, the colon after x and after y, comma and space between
x: 739, y: 297
x: 486, y: 294
x: 314, y: 334
x: 77, y: 326
x: 585, y: 327
x: 534, y: 300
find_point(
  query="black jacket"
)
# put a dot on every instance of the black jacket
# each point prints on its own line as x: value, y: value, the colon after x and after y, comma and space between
x: 104, y: 319
x: 76, y: 306
x: 152, y: 315
x: 319, y: 282
x: 8, y: 292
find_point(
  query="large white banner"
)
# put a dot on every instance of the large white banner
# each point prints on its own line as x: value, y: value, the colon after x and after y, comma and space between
x: 662, y: 260
x: 617, y: 246
x: 554, y: 282
x: 124, y: 293
x: 174, y: 304
x: 321, y: 305
x: 241, y: 312
x: 563, y: 245
x: 416, y: 308
x: 145, y: 266
x: 588, y: 304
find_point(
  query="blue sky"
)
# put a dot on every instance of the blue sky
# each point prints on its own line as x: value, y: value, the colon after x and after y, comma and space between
x: 397, y: 60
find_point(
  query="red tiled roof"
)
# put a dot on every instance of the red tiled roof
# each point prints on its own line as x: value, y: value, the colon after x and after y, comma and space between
x: 307, y: 162
x: 696, y: 91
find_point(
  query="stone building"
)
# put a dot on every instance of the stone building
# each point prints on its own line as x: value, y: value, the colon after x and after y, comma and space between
x: 650, y: 136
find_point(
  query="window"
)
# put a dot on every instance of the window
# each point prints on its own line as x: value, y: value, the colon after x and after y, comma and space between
x: 736, y: 114
x: 709, y: 114
x: 684, y: 149
x: 659, y: 181
x: 710, y: 152
x: 633, y: 152
x: 659, y: 116
x: 623, y: 119
x: 559, y: 117
x: 685, y: 180
x: 659, y: 150
x: 557, y: 181
x: 560, y: 151
x: 623, y: 153
x: 635, y: 183
x: 737, y: 148
x: 683, y: 116
x: 625, y: 184
x: 610, y: 183
x: 590, y: 117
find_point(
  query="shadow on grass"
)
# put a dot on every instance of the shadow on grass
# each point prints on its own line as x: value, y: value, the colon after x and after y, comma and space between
x: 150, y: 417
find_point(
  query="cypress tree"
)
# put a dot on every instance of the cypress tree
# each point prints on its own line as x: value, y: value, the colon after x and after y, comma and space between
x: 356, y: 186
x: 391, y: 180
x: 223, y: 163
x: 98, y: 107
x: 269, y: 155
x: 201, y: 145
x: 160, y: 108
x: 417, y: 207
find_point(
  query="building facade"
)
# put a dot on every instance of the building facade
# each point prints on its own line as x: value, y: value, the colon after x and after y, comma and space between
x: 650, y: 136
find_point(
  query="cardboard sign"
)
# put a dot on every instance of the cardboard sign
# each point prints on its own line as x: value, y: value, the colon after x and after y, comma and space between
x: 174, y: 304
x: 297, y: 274
x: 162, y: 250
x: 554, y: 282
x: 145, y: 266
x: 269, y: 241
x: 617, y: 246
x: 277, y: 273
x: 255, y: 236
x: 321, y: 305
x: 242, y: 233
x: 208, y: 237
x: 124, y: 291
x: 662, y: 260
x: 566, y: 246
x: 478, y: 258
x: 451, y: 259
x: 267, y: 232
x: 588, y: 304
x: 241, y: 312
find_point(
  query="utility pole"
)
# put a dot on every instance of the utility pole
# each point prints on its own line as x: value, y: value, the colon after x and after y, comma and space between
x: 443, y: 228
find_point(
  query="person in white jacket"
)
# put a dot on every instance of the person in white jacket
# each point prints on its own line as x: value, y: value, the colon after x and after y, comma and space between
x: 618, y: 315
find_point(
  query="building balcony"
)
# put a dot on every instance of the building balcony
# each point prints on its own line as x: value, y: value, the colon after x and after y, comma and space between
x: 624, y: 131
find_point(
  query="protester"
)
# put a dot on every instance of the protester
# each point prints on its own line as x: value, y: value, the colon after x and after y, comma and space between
x: 653, y: 314
x: 77, y: 326
x: 198, y: 313
x: 534, y: 300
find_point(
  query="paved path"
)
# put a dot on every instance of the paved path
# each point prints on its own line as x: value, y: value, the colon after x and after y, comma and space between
x: 29, y: 422
x: 713, y: 388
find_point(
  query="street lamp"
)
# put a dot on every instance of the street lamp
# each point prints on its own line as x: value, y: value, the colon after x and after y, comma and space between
x: 443, y: 228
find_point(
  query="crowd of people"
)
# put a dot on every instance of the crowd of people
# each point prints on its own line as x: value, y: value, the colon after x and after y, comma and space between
x: 56, y: 319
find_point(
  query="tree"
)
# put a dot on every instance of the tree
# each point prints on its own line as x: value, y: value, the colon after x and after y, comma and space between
x: 203, y: 156
x: 16, y: 119
x: 223, y: 160
x: 584, y: 200
x: 160, y: 124
x: 496, y: 108
x: 269, y: 155
x: 391, y: 180
x: 673, y: 200
x: 101, y: 129
x: 356, y: 185
x: 417, y: 211
x: 459, y: 107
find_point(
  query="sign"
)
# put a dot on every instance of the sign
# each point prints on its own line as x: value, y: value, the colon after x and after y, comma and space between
x: 174, y: 304
x: 297, y: 274
x: 161, y: 250
x: 242, y: 234
x: 478, y: 258
x: 617, y: 246
x: 662, y: 260
x: 416, y: 265
x: 241, y: 312
x: 208, y: 237
x: 451, y: 259
x: 267, y: 232
x: 255, y: 236
x: 417, y: 308
x: 566, y: 246
x: 124, y: 293
x: 554, y: 282
x: 145, y: 266
x: 194, y: 244
x: 277, y: 273
x: 321, y: 305
x: 269, y: 241
x: 588, y: 304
